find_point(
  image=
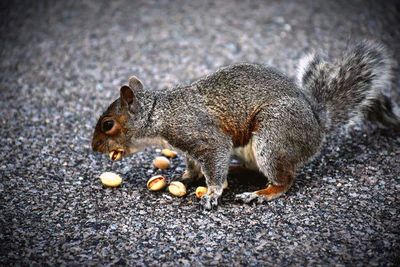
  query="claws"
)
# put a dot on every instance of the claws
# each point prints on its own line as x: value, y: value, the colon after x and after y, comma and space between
x: 208, y: 202
x: 249, y: 197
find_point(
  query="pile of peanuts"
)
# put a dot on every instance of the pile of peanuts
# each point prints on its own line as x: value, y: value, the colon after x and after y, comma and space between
x: 158, y: 182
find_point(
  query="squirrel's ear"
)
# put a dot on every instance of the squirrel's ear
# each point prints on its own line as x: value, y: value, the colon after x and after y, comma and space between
x: 129, y: 94
x: 135, y: 84
x: 128, y: 98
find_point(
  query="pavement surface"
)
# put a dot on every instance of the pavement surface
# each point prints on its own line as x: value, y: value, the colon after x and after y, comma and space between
x: 62, y: 63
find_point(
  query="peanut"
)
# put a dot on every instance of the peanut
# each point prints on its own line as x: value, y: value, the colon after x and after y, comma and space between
x: 161, y: 163
x: 110, y: 179
x: 156, y: 183
x: 177, y: 189
x: 115, y: 155
x: 201, y: 191
x: 169, y: 153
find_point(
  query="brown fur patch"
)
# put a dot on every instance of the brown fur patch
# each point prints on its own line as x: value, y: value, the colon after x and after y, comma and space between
x: 99, y: 137
x: 272, y: 191
x: 240, y: 131
x: 120, y: 126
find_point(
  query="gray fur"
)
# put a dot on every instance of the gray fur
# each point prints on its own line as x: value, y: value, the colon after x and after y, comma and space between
x: 260, y: 114
x: 350, y: 89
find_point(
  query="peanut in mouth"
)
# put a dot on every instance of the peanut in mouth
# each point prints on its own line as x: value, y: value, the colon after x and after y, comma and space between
x: 116, y: 154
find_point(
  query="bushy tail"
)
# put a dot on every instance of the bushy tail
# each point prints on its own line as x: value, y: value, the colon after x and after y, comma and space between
x: 352, y: 87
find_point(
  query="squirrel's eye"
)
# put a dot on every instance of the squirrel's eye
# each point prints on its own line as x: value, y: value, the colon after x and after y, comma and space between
x: 107, y: 125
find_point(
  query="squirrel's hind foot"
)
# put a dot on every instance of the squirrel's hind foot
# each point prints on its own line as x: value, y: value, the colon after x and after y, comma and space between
x: 249, y: 197
x: 267, y: 194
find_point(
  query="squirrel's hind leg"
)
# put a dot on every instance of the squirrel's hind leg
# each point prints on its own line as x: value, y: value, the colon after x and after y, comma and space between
x: 277, y: 164
x: 281, y: 179
x: 287, y: 136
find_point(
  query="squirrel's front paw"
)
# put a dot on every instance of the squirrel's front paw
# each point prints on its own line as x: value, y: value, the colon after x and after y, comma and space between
x: 209, y: 202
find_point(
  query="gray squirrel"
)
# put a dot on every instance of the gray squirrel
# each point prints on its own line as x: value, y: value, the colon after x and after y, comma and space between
x: 273, y: 124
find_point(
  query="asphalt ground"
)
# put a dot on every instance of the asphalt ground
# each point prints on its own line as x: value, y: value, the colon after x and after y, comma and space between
x: 61, y: 64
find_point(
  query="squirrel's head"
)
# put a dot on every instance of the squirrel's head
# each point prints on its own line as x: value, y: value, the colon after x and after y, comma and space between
x: 114, y: 130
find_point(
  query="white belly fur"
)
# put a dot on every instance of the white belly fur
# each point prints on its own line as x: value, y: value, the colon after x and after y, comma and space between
x: 246, y: 155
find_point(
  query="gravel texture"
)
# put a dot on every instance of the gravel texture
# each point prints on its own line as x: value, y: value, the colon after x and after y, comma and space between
x: 63, y: 62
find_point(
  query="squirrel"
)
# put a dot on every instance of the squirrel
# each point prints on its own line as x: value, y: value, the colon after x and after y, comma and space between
x: 274, y: 124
